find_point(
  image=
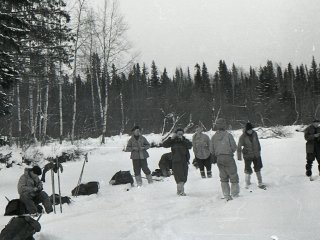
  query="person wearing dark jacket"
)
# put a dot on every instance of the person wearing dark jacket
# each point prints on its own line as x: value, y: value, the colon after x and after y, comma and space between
x: 312, y: 136
x: 180, y: 158
x: 31, y: 191
x: 138, y: 146
x: 249, y: 146
x: 165, y: 164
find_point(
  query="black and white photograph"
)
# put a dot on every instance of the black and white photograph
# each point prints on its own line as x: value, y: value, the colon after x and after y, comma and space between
x: 159, y: 119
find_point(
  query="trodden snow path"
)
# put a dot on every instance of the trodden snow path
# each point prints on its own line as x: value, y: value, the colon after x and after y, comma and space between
x: 288, y: 209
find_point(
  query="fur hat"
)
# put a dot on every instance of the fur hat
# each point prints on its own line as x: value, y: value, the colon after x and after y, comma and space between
x: 179, y: 130
x: 36, y: 170
x: 221, y: 124
x: 248, y: 126
x: 135, y: 128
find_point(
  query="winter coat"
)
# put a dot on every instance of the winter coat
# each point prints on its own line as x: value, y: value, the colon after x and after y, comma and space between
x: 27, y: 183
x: 222, y: 143
x: 166, y: 161
x: 251, y: 146
x: 313, y: 143
x: 134, y: 146
x: 201, y: 145
x: 179, y: 148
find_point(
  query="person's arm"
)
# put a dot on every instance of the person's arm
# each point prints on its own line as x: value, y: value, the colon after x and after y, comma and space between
x: 129, y: 147
x: 239, y: 149
x: 233, y: 144
x: 146, y: 144
x: 194, y: 145
x: 167, y: 143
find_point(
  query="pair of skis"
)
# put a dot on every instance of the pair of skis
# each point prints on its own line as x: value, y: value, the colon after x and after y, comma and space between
x: 53, y: 188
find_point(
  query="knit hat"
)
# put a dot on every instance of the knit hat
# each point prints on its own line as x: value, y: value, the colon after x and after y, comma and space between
x: 249, y: 126
x: 221, y: 123
x: 179, y: 130
x: 36, y: 170
x: 135, y: 128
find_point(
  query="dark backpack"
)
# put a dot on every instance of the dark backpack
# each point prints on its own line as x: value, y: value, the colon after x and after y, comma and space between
x: 20, y: 228
x: 86, y: 189
x: 57, y: 199
x: 121, y: 177
x: 157, y: 173
x: 15, y: 207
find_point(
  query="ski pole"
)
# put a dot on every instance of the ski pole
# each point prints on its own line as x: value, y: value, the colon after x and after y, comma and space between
x: 80, y: 178
x: 7, y: 198
x: 53, y: 192
x: 58, y: 169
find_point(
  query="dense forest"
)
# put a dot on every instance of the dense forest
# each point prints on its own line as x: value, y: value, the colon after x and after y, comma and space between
x: 76, y: 77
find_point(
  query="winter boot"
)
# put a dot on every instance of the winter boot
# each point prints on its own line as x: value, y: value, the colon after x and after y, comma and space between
x: 180, y: 189
x: 149, y: 178
x: 247, y: 180
x: 209, y: 174
x: 226, y: 190
x: 203, y: 175
x: 259, y: 177
x: 138, y: 180
x: 235, y: 189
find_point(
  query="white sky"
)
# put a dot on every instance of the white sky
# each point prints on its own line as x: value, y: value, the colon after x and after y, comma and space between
x: 246, y: 32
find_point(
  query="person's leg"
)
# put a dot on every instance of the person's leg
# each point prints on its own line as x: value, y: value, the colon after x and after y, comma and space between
x: 29, y: 203
x: 232, y: 172
x: 224, y: 179
x: 257, y: 165
x: 137, y: 171
x: 208, y: 164
x: 201, y: 167
x: 43, y: 198
x: 310, y: 159
x: 146, y: 170
x: 247, y: 171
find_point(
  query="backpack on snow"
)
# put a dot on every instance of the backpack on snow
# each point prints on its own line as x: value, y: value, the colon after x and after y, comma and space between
x: 157, y: 173
x: 86, y: 189
x: 15, y: 207
x: 121, y: 177
x: 57, y: 199
x: 20, y: 228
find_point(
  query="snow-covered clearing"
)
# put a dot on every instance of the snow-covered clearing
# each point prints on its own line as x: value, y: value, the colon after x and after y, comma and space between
x: 288, y: 210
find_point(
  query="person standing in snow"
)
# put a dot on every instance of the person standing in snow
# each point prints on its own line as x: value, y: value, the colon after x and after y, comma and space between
x: 138, y: 146
x: 201, y: 149
x: 249, y: 146
x: 223, y: 147
x: 312, y: 136
x: 31, y: 191
x: 180, y: 158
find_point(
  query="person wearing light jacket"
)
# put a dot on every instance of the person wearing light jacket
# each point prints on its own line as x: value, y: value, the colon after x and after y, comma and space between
x: 201, y: 149
x: 138, y: 146
x: 31, y: 191
x: 223, y: 147
x: 249, y: 146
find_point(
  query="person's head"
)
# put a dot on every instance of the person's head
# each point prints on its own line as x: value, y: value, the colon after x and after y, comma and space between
x: 249, y: 128
x: 36, y: 170
x: 199, y: 129
x: 179, y: 132
x: 221, y: 124
x: 316, y: 122
x: 136, y: 131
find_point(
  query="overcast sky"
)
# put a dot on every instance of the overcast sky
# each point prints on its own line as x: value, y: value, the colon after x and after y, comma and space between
x: 246, y: 32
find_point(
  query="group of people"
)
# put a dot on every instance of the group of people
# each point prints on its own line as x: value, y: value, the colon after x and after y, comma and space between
x: 219, y: 150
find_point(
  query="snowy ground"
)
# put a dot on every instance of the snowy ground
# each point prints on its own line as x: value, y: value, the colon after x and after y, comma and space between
x: 288, y: 210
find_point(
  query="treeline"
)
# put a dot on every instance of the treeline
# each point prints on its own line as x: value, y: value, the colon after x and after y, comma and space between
x: 266, y: 96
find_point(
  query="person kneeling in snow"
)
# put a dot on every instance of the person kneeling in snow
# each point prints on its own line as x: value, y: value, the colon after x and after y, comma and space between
x: 251, y: 153
x: 31, y: 191
x: 180, y: 158
x: 165, y: 164
x: 138, y: 146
